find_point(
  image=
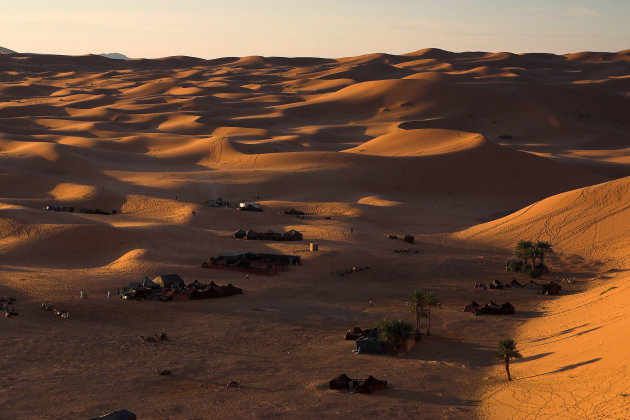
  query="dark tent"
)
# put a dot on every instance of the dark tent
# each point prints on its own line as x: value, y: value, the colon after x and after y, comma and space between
x: 240, y: 234
x: 117, y: 415
x: 169, y: 281
x: 369, y: 343
x: 496, y: 284
x: 292, y: 235
x: 146, y: 282
x: 248, y: 206
x: 551, y: 289
x: 342, y: 381
x: 370, y: 385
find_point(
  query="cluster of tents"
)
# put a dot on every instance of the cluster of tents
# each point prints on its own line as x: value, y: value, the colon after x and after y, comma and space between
x: 269, y: 235
x: 491, y: 308
x: 70, y: 209
x: 550, y: 288
x: 364, y: 386
x: 250, y: 262
x: 172, y: 287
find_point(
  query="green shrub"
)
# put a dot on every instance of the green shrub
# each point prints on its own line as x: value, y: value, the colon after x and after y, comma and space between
x: 395, y: 332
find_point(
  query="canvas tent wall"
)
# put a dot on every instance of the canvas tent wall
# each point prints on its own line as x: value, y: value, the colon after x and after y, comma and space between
x: 169, y: 281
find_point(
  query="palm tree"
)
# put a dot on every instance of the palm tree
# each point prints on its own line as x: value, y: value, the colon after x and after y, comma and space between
x: 418, y: 307
x: 534, y: 253
x: 395, y: 332
x: 523, y: 250
x: 505, y: 352
x: 543, y: 248
x: 429, y: 300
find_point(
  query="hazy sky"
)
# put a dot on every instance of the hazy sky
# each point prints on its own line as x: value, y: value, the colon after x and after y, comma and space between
x: 323, y: 28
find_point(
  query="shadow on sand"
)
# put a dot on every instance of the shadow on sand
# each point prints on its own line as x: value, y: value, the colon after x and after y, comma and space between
x: 565, y: 368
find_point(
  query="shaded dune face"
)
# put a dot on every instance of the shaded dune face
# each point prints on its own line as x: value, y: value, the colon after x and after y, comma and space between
x: 444, y: 146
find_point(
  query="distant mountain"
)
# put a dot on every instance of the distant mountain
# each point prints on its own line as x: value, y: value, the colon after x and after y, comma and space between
x: 6, y: 51
x: 115, y: 56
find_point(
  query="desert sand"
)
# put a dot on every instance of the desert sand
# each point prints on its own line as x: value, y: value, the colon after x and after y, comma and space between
x: 469, y: 152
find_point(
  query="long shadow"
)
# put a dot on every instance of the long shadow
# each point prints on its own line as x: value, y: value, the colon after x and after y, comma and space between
x: 567, y: 331
x: 565, y: 368
x: 576, y: 365
x: 574, y: 335
x: 451, y: 351
x: 530, y: 358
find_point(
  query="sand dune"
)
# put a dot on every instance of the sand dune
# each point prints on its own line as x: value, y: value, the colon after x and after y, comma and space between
x: 419, y: 143
x: 441, y: 145
x: 589, y: 221
x: 573, y: 337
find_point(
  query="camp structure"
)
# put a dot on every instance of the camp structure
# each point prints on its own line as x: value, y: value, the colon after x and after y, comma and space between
x: 550, y: 288
x: 370, y: 385
x: 197, y: 290
x: 59, y: 208
x: 355, y: 333
x: 515, y: 283
x: 255, y: 263
x: 533, y: 285
x: 369, y: 343
x: 496, y: 284
x: 343, y: 382
x: 218, y: 202
x: 269, y: 235
x: 97, y: 211
x: 172, y: 287
x: 292, y: 235
x: 117, y: 415
x: 495, y: 309
x: 248, y: 206
x: 169, y: 281
x: 472, y: 307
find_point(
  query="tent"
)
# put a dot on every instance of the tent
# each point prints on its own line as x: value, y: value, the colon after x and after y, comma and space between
x: 292, y: 235
x: 550, y: 289
x: 169, y: 281
x: 240, y: 234
x: 249, y: 206
x: 370, y: 385
x: 369, y: 343
x: 496, y: 284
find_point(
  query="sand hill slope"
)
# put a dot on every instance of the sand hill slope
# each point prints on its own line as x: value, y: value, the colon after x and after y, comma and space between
x: 592, y: 222
x: 574, y: 365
